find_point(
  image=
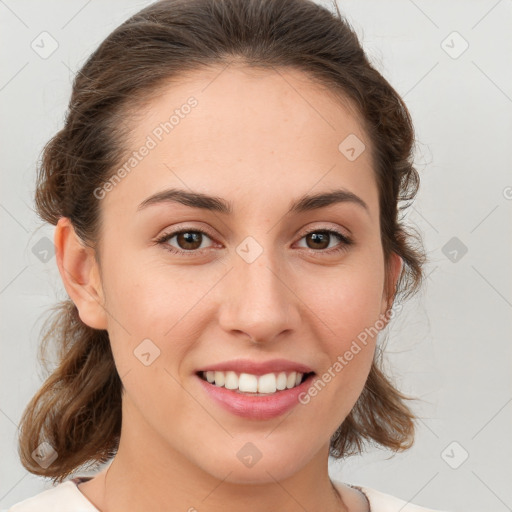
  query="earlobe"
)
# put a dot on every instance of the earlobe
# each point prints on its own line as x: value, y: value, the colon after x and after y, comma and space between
x: 80, y: 274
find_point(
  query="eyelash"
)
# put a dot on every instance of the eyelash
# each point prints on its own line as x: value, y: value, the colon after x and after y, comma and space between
x: 345, y: 241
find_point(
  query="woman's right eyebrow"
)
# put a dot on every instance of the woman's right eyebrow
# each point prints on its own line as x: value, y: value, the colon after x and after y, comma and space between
x: 187, y: 198
x: 220, y: 205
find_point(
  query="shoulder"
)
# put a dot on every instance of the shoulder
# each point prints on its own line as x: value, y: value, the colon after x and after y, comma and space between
x: 64, y: 497
x: 382, y: 502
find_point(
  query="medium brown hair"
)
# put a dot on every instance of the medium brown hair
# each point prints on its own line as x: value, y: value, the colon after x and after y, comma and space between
x: 78, y: 408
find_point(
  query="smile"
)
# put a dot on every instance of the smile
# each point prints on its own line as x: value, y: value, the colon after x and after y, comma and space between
x: 255, y: 405
x: 269, y: 383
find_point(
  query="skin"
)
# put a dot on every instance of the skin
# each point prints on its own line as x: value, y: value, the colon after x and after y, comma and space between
x: 259, y: 139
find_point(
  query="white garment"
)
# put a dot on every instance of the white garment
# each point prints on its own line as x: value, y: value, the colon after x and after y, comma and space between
x: 67, y: 497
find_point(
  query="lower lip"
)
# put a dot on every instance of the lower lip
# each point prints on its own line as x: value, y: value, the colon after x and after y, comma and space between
x: 262, y: 407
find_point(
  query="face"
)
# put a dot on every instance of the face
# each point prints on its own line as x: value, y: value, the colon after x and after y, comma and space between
x: 189, y: 288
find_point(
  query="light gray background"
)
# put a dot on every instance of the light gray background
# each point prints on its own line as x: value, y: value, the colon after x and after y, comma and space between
x: 450, y: 346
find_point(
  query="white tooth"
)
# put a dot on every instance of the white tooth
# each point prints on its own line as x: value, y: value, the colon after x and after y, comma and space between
x: 219, y: 379
x: 281, y: 381
x: 248, y: 383
x: 231, y: 381
x: 267, y: 383
x: 290, y: 382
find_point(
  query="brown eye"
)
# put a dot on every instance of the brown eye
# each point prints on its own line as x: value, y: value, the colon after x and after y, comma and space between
x: 320, y: 239
x: 188, y: 241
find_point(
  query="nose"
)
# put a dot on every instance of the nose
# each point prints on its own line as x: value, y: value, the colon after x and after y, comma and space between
x: 258, y: 301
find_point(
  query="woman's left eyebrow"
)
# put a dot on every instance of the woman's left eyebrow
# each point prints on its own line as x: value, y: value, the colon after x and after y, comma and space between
x: 219, y: 205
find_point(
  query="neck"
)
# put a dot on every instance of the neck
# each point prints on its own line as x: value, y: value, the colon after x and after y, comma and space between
x: 152, y: 475
x: 183, y: 491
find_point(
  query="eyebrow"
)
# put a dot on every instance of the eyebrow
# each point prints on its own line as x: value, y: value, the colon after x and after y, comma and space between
x: 217, y: 204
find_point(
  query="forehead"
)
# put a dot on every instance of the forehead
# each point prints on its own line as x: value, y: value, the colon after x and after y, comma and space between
x: 257, y: 132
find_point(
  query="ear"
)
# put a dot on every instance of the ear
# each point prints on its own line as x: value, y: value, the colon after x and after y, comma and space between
x: 393, y: 273
x: 80, y: 274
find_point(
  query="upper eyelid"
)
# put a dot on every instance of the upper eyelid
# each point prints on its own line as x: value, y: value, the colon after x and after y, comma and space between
x: 344, y: 231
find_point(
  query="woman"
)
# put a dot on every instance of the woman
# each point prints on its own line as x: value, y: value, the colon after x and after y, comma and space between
x: 225, y: 193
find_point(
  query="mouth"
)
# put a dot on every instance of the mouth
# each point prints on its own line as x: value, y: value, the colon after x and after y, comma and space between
x: 255, y: 385
x: 256, y: 390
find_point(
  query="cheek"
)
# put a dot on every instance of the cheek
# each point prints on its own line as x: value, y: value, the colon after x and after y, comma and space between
x: 149, y: 295
x: 152, y: 302
x: 346, y: 313
x: 346, y: 302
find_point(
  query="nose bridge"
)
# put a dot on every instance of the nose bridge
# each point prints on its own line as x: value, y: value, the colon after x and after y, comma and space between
x: 259, y: 300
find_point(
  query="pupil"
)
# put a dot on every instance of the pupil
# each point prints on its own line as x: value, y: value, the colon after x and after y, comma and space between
x: 190, y: 238
x: 317, y: 237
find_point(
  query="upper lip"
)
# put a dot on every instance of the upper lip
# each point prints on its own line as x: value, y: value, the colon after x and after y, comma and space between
x: 257, y: 368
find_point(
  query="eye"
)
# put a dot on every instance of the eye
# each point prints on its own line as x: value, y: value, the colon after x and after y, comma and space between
x: 189, y: 241
x: 320, y: 239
